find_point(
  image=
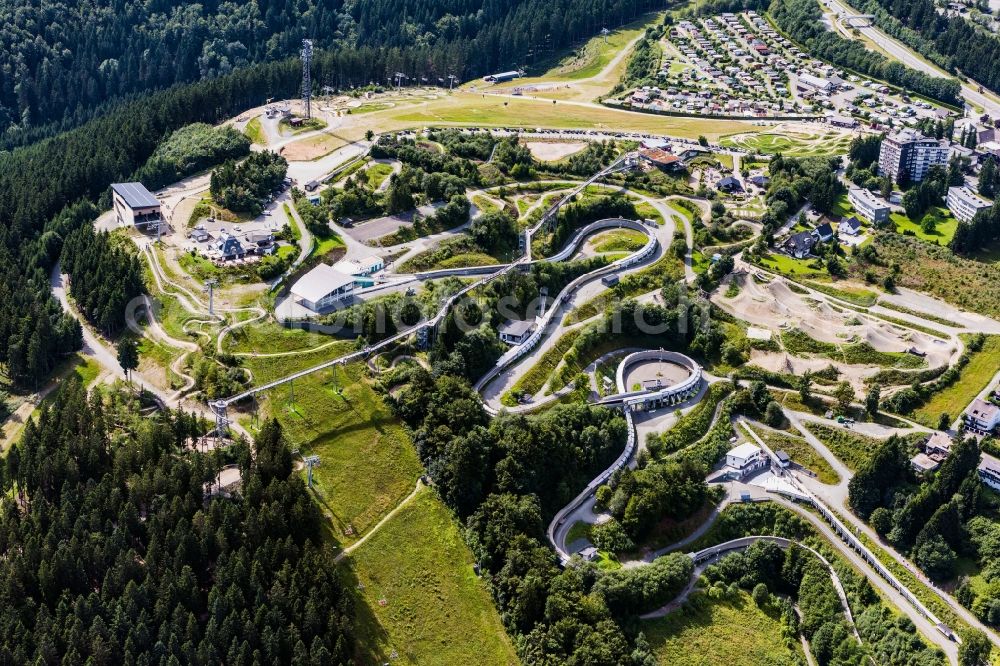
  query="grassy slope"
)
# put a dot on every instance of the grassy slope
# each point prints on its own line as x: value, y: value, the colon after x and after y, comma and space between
x: 723, y: 631
x: 974, y: 377
x: 255, y: 132
x: 435, y: 609
x: 801, y: 452
x: 368, y: 463
x: 852, y: 448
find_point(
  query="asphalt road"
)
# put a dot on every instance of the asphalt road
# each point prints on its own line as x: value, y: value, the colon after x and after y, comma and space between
x: 905, y: 55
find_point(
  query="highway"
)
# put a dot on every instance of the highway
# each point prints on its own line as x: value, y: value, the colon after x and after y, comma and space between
x: 904, y: 54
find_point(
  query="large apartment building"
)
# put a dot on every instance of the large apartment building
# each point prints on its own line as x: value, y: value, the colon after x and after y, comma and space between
x: 964, y: 203
x: 909, y: 154
x: 870, y: 206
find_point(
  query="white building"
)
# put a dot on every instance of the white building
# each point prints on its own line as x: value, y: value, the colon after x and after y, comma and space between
x: 135, y: 205
x: 964, y: 203
x: 322, y: 287
x: 850, y: 227
x: 744, y: 459
x: 989, y: 473
x: 909, y: 154
x: 515, y: 332
x: 842, y: 121
x: 815, y: 82
x: 360, y: 267
x: 982, y: 416
x: 938, y: 445
x: 873, y: 208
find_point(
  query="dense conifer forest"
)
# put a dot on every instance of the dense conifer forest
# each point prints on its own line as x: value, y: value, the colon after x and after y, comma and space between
x: 38, y: 181
x: 61, y: 62
x: 114, y: 553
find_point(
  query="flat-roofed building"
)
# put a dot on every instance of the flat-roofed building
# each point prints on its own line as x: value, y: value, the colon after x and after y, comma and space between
x: 744, y: 459
x: 964, y: 203
x: 322, y: 287
x: 923, y: 464
x: 517, y: 331
x: 135, y: 205
x: 908, y: 154
x: 360, y: 267
x: 502, y: 76
x: 873, y: 208
x: 815, y: 82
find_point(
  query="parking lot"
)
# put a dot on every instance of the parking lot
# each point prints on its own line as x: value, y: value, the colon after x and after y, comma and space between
x: 738, y: 65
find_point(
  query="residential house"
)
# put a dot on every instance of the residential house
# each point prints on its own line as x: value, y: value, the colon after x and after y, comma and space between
x: 851, y: 226
x: 824, y: 232
x: 800, y: 245
x: 982, y: 416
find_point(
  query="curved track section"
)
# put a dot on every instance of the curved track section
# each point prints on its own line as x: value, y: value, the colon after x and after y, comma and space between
x: 707, y: 556
x: 544, y: 324
x: 668, y: 395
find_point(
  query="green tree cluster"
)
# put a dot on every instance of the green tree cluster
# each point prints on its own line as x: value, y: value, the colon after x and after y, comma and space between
x: 117, y: 553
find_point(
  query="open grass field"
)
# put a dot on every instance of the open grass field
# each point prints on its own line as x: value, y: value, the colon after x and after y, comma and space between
x: 944, y: 225
x: 472, y: 109
x: 324, y: 246
x: 377, y: 173
x: 272, y: 338
x: 842, y: 207
x: 709, y: 632
x: 974, y: 377
x: 255, y: 132
x: 418, y: 595
x: 269, y: 368
x: 463, y: 108
x: 618, y: 240
x: 309, y: 125
x: 850, y: 447
x: 786, y: 265
x: 800, y: 452
x: 368, y: 464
